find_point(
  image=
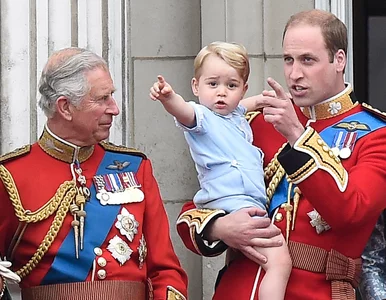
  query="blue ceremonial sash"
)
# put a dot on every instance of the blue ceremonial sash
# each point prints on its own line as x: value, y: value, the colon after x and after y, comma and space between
x: 66, y: 267
x: 328, y: 135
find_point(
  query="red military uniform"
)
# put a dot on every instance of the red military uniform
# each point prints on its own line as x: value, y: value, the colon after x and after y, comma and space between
x: 131, y: 257
x: 328, y: 218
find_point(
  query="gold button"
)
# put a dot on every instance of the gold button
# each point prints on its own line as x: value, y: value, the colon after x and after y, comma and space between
x: 98, y: 251
x: 102, y: 274
x: 320, y: 142
x: 325, y: 148
x: 278, y: 217
x: 102, y: 262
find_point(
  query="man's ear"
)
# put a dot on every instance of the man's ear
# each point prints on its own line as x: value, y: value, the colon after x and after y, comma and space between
x: 64, y: 108
x: 194, y: 84
x: 340, y: 60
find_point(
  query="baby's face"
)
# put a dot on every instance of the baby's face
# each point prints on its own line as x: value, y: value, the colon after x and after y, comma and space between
x: 219, y: 87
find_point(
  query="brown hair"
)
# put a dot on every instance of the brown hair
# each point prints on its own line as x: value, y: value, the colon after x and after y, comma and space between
x: 333, y: 30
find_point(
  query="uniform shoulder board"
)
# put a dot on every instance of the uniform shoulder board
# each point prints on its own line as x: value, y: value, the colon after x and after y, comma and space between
x: 15, y: 153
x: 374, y: 111
x: 251, y: 115
x: 108, y: 146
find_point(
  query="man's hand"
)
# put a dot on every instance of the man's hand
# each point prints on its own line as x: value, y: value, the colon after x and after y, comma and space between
x: 241, y: 231
x: 279, y: 111
x: 161, y: 90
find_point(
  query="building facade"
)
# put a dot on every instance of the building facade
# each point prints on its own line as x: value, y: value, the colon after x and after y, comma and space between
x: 141, y: 39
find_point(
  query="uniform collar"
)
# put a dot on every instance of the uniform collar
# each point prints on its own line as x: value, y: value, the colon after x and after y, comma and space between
x: 332, y: 107
x: 63, y: 150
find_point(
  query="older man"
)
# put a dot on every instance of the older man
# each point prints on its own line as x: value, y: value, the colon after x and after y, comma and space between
x: 82, y: 218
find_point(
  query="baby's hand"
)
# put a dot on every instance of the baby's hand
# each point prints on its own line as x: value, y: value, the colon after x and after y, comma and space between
x: 161, y: 90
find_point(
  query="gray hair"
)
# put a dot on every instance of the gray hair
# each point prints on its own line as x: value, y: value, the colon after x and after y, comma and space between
x: 65, y: 75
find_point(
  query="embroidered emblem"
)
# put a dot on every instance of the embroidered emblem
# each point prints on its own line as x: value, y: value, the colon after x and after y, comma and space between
x: 118, y: 165
x: 118, y: 188
x: 127, y: 224
x: 318, y: 222
x: 119, y: 249
x: 334, y: 108
x: 50, y: 145
x: 352, y: 126
x: 142, y: 250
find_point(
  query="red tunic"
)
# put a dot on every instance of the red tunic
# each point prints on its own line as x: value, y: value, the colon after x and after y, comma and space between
x: 38, y: 176
x: 351, y: 214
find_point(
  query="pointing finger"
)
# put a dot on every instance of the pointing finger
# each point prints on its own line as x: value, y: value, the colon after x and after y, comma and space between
x: 280, y: 93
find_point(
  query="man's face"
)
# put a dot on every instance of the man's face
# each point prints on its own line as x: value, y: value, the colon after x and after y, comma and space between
x: 92, y: 119
x: 310, y: 75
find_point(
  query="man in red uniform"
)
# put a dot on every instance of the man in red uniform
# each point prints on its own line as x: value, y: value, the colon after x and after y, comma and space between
x: 82, y: 218
x: 324, y: 163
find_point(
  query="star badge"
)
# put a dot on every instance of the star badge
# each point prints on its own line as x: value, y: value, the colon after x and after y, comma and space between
x: 127, y: 224
x: 119, y: 249
x: 318, y: 222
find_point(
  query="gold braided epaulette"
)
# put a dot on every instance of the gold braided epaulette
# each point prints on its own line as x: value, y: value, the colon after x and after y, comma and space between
x: 108, y: 146
x: 15, y: 153
x: 374, y: 111
x: 251, y: 115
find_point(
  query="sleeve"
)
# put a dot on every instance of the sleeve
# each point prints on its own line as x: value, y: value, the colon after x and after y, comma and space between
x: 201, y: 124
x: 190, y: 226
x: 373, y: 281
x: 167, y: 278
x: 329, y: 187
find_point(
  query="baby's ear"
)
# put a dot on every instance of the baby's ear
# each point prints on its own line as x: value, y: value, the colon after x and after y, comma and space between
x: 194, y: 84
x: 246, y: 86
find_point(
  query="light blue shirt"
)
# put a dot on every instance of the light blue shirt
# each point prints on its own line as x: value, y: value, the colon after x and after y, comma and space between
x: 229, y: 167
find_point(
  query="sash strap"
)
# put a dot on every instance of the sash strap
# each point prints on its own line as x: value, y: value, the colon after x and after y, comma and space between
x: 90, y: 290
x: 343, y: 272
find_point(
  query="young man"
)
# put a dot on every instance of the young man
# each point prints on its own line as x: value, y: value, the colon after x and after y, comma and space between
x: 324, y: 158
x: 77, y: 214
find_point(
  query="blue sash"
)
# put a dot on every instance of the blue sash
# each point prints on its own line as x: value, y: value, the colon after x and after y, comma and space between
x: 328, y: 134
x: 66, y: 267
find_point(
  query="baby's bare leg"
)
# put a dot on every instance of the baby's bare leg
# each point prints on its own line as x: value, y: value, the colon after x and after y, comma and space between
x: 277, y: 272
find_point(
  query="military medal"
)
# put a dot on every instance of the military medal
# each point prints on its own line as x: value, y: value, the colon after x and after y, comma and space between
x: 131, y: 183
x: 318, y: 222
x: 136, y: 195
x: 119, y: 249
x: 127, y: 224
x: 348, y: 145
x: 118, y: 188
x: 336, y: 143
x: 142, y: 250
x: 345, y: 153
